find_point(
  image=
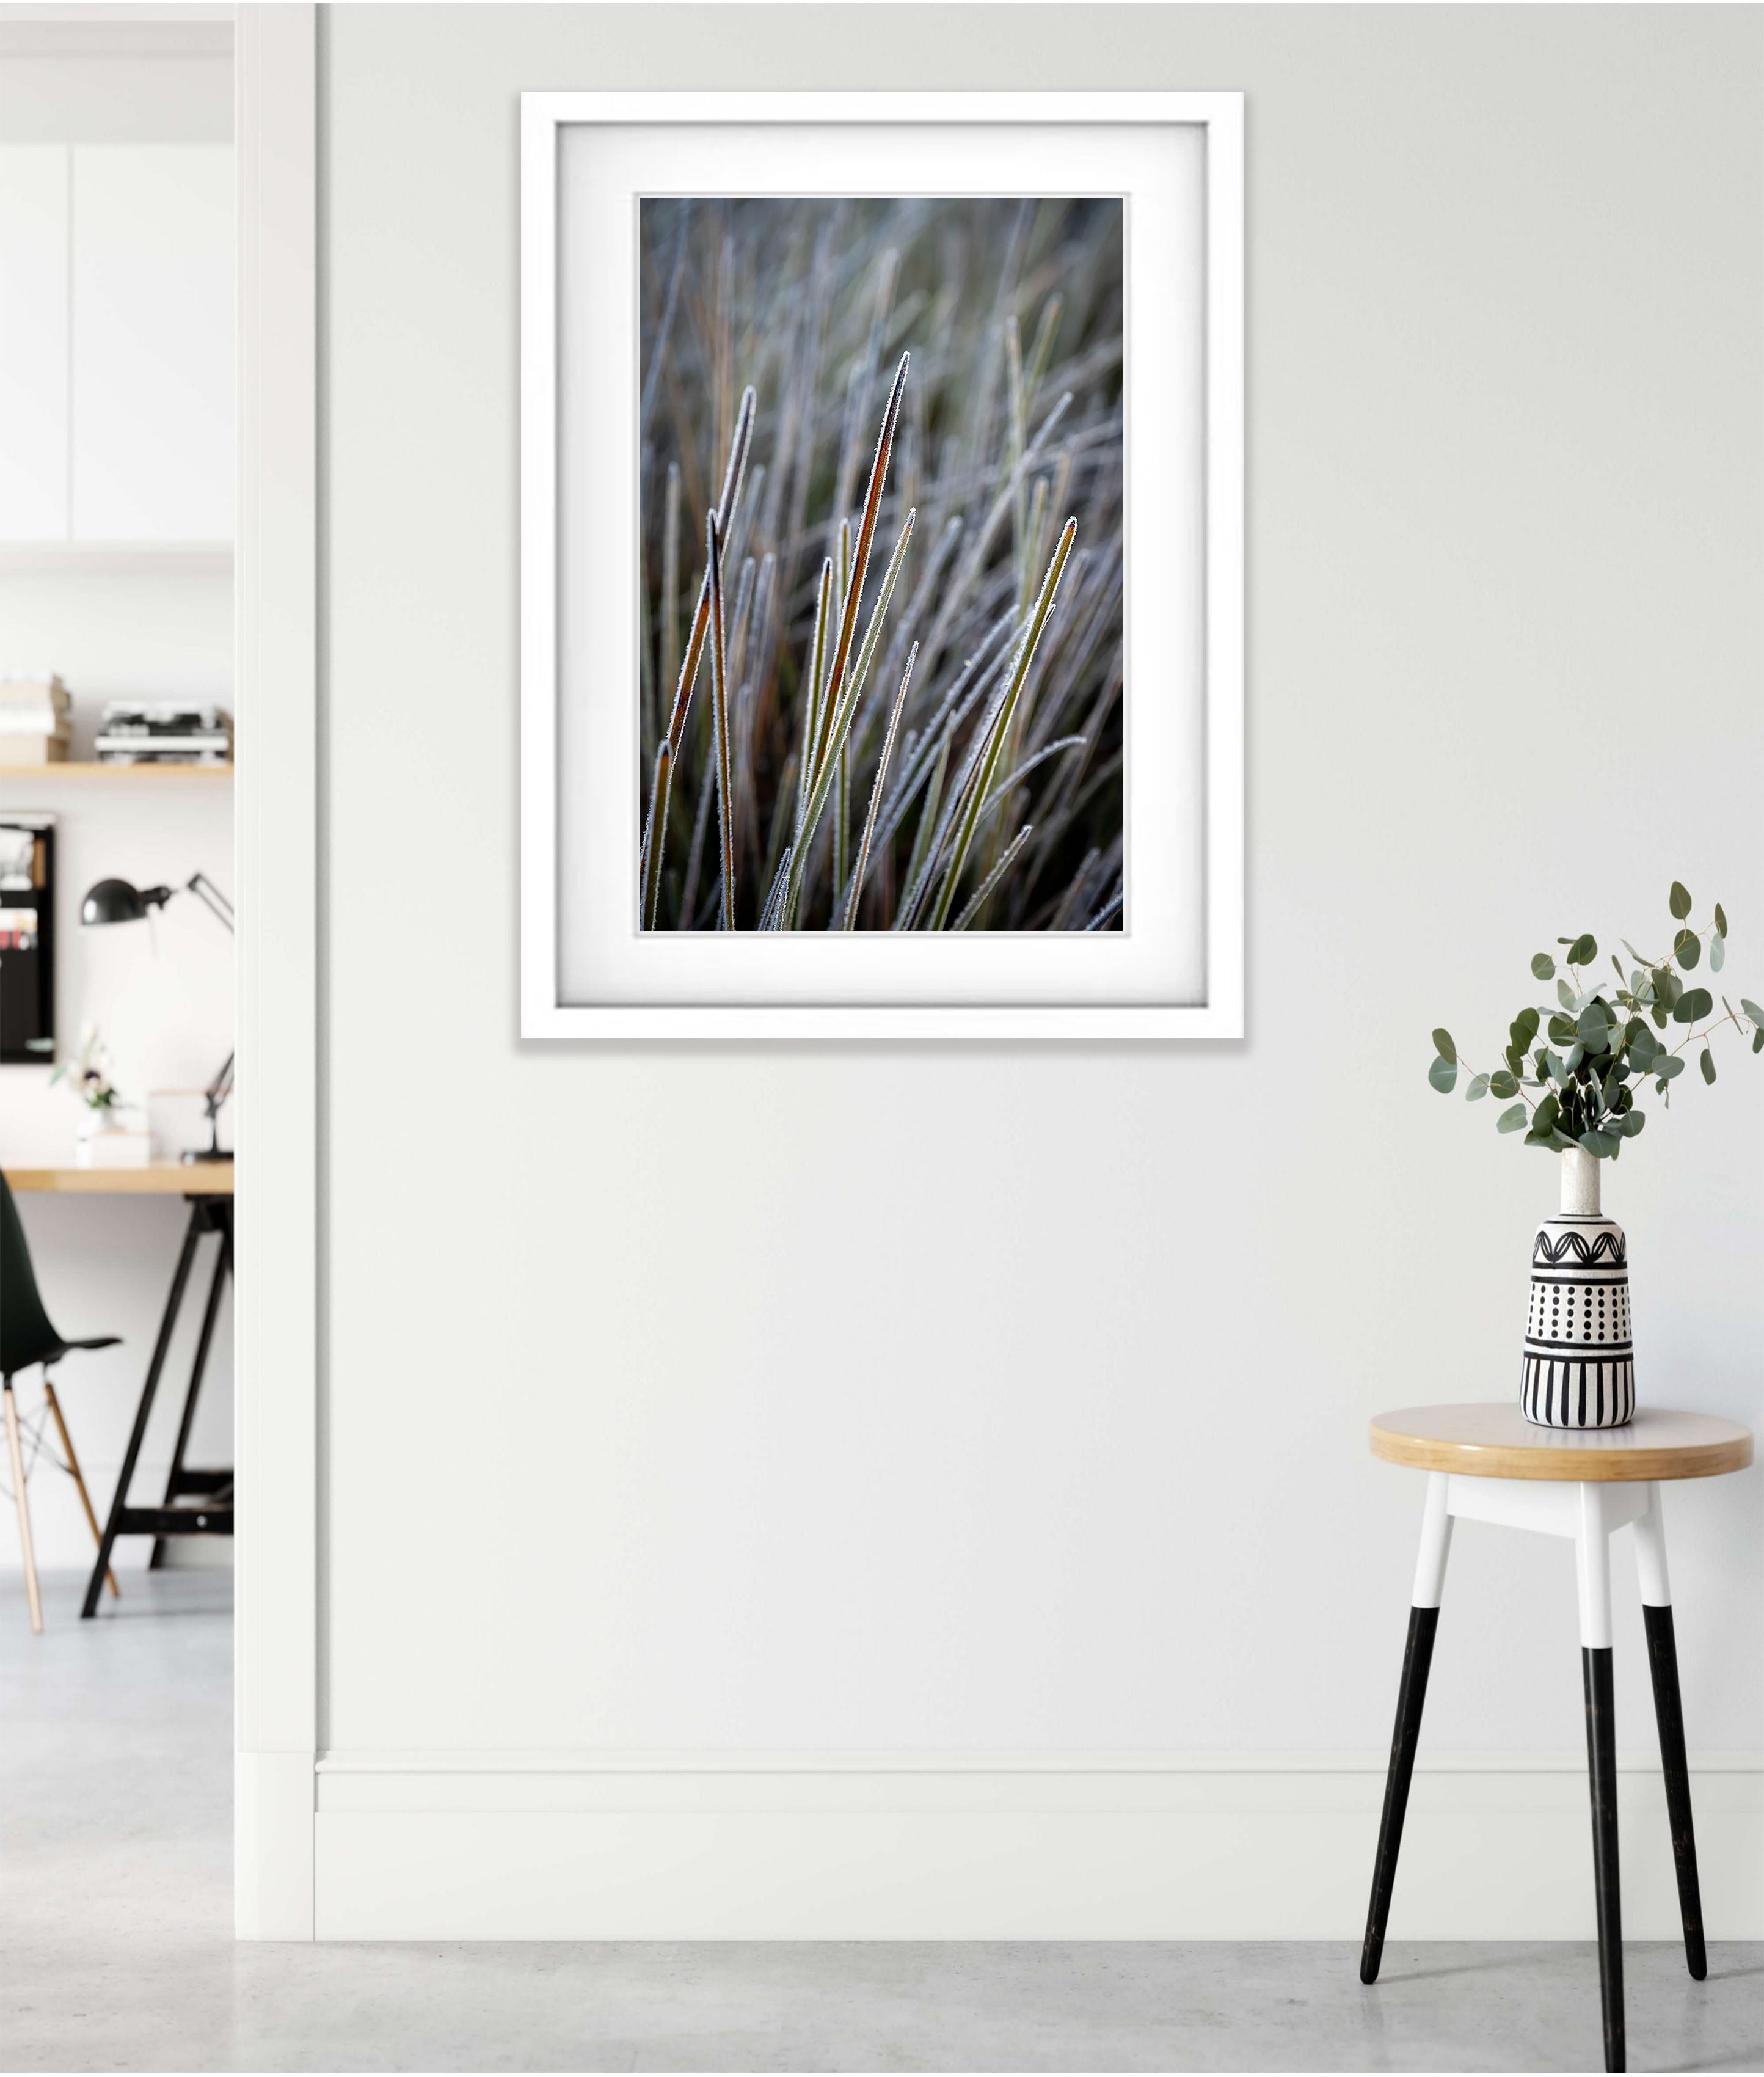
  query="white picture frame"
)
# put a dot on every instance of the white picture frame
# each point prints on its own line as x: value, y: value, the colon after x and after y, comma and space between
x: 743, y: 997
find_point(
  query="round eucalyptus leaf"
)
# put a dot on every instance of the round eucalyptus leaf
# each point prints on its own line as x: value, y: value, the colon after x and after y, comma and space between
x: 1475, y: 1088
x: 1543, y: 967
x: 1708, y: 1065
x: 1633, y: 1122
x: 1601, y: 1145
x: 1443, y: 1074
x: 1584, y: 949
x: 1443, y: 1046
x: 1668, y: 1066
x: 1687, y: 949
x: 1717, y: 953
x: 1694, y: 1003
x: 1524, y: 1028
x: 1720, y: 920
x: 1595, y: 1027
x: 1502, y: 1084
x: 1680, y: 900
x: 1751, y: 1009
x: 1547, y: 1114
x: 1562, y: 1032
x: 1510, y: 1120
x: 1757, y: 1040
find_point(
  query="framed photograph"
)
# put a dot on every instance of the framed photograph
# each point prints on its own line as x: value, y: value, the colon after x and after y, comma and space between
x: 882, y: 566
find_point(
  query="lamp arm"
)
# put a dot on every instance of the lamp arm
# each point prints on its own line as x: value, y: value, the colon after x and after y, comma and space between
x: 209, y: 895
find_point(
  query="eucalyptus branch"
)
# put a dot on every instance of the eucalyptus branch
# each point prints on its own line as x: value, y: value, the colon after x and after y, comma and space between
x: 1588, y: 1091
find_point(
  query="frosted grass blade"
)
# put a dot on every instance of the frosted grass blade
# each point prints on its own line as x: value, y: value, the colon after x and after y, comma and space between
x: 876, y: 795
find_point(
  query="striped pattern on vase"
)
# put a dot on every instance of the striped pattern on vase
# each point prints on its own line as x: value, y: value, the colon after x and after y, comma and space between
x: 1579, y: 1364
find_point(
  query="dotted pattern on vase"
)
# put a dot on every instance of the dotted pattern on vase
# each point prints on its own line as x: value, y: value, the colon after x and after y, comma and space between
x: 1579, y: 1361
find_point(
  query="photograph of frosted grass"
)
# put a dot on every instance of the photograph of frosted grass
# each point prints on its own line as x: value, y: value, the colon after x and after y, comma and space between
x: 881, y: 567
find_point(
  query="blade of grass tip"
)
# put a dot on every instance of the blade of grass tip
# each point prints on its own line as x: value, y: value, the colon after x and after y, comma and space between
x: 838, y: 721
x: 1000, y: 729
x: 658, y: 818
x: 688, y: 669
x: 719, y: 718
x: 726, y: 509
x: 876, y: 795
x: 860, y: 564
x: 983, y: 891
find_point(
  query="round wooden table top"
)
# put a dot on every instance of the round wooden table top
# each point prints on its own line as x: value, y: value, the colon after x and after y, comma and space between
x: 1497, y: 1442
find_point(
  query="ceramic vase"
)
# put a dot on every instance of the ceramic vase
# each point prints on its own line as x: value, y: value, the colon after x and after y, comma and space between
x: 1579, y: 1366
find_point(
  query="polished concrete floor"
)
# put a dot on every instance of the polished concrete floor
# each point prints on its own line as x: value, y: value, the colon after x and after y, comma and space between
x: 116, y: 1951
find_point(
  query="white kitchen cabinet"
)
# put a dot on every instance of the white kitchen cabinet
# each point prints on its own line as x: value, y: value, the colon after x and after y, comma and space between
x: 151, y: 302
x: 34, y: 412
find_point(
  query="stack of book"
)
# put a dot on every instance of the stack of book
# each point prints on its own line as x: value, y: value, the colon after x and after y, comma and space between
x: 164, y: 732
x: 35, y: 726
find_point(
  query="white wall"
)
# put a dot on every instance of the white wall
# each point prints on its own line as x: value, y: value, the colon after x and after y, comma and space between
x: 896, y: 1400
x: 144, y: 625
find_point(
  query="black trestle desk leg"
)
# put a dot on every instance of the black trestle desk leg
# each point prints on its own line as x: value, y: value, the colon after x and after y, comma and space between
x: 1669, y: 1713
x: 1602, y: 1772
x: 1417, y: 1657
x: 119, y: 1503
x: 174, y: 1478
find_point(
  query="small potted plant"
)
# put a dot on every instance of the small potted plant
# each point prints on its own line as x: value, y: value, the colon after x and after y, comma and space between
x: 1576, y: 1074
x: 87, y: 1075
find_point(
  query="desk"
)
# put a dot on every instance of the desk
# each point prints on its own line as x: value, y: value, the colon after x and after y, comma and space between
x: 206, y: 1187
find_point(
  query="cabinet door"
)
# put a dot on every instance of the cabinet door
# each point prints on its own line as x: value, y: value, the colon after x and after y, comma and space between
x: 152, y: 348
x: 33, y: 342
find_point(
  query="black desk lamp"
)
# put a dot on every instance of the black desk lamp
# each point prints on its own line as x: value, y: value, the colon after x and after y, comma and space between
x: 118, y: 901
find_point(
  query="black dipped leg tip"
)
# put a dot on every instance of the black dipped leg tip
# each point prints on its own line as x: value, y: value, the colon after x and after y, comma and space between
x: 1369, y: 1968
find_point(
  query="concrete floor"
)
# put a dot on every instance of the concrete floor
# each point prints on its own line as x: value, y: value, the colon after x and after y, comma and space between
x: 116, y: 1950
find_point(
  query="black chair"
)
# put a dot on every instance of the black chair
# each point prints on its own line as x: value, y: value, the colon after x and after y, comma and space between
x: 27, y: 1338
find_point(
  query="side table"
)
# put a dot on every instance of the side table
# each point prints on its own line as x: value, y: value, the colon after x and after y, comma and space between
x: 1488, y: 1463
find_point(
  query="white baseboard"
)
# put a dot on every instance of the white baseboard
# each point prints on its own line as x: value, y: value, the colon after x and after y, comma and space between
x: 272, y: 1846
x: 793, y: 1847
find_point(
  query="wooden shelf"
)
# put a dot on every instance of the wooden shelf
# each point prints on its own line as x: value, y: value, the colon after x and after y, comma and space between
x: 151, y: 772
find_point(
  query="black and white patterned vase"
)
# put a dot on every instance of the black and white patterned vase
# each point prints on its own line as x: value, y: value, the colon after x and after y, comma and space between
x: 1580, y: 1368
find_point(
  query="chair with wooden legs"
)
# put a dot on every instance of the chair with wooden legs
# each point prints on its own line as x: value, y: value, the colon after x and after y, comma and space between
x: 27, y: 1338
